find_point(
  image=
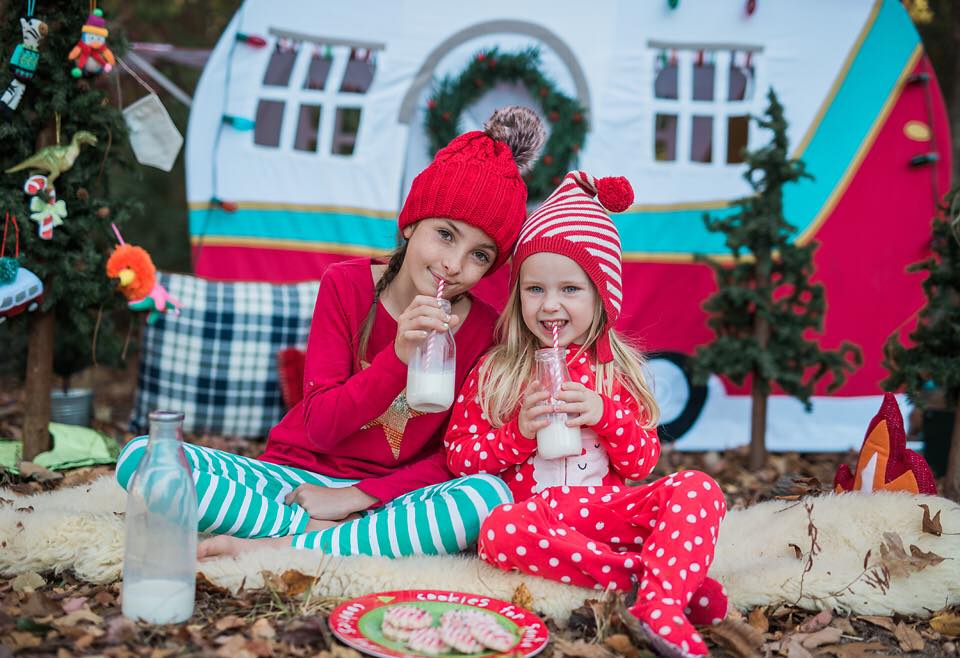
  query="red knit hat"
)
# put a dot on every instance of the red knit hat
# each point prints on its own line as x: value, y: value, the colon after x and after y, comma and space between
x: 476, y: 179
x: 571, y: 222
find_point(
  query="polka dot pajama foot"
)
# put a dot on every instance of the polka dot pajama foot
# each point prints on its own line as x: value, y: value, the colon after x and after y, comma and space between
x: 669, y: 631
x: 708, y: 605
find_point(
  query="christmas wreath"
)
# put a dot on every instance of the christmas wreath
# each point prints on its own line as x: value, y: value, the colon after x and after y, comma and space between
x: 568, y: 125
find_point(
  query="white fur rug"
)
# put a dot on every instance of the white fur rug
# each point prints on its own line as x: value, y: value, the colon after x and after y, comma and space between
x: 82, y: 529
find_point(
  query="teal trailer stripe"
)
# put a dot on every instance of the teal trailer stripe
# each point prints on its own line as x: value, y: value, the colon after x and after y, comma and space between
x: 299, y: 225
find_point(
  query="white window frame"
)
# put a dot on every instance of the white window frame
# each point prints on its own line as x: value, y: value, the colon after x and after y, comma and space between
x: 719, y: 109
x: 329, y: 98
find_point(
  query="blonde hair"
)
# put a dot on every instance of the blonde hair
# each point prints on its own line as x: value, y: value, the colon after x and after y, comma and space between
x: 508, y: 367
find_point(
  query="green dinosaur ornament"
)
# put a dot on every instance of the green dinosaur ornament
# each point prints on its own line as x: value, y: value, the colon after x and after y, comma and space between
x: 54, y: 160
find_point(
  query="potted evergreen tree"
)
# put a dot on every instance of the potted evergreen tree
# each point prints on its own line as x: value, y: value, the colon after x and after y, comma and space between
x: 66, y: 127
x: 931, y: 359
x: 765, y: 302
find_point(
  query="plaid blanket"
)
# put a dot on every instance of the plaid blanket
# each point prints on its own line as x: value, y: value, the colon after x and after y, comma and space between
x: 217, y: 361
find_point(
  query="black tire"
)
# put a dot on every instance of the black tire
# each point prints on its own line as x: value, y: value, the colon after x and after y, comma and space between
x: 677, y: 366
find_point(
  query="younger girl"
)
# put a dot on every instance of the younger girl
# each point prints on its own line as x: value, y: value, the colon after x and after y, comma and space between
x: 352, y: 448
x: 575, y: 520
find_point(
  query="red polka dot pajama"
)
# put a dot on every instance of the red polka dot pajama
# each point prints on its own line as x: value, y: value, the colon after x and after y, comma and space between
x: 574, y: 519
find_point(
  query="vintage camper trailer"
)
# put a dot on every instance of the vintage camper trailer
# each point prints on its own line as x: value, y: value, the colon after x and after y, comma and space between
x: 299, y: 153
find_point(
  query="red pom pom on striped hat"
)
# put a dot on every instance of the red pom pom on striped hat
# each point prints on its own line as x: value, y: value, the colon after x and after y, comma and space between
x: 571, y: 222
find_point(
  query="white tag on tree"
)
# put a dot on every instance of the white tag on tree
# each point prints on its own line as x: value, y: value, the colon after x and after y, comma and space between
x: 153, y: 135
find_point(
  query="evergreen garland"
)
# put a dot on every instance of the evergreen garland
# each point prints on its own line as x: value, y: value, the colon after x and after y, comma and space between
x: 71, y: 265
x: 766, y: 306
x: 566, y: 116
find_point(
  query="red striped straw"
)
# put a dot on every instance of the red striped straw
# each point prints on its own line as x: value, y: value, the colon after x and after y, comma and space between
x: 440, y: 288
x: 555, y: 365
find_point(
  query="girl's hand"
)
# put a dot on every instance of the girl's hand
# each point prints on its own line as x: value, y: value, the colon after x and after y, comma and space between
x: 328, y: 503
x: 420, y: 317
x: 532, y: 412
x: 583, y: 406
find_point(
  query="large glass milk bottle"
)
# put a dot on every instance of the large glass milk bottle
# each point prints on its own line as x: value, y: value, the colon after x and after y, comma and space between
x: 160, y: 554
x: 556, y: 440
x: 431, y: 373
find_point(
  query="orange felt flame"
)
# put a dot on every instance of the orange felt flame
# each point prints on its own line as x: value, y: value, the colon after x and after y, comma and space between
x: 885, y: 463
x: 872, y: 465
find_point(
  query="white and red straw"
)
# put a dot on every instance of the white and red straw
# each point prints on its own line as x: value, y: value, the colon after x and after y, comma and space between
x: 431, y: 340
x: 555, y: 364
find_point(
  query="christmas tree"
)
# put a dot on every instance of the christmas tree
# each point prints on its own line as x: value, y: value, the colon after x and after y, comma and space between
x: 934, y: 357
x: 65, y: 104
x: 765, y: 304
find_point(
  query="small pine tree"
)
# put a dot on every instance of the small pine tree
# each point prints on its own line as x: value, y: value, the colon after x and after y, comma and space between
x: 765, y: 302
x: 934, y: 357
x: 78, y: 297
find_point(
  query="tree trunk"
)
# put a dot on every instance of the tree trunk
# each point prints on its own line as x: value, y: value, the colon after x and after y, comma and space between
x: 951, y: 486
x: 758, y: 427
x: 36, y: 437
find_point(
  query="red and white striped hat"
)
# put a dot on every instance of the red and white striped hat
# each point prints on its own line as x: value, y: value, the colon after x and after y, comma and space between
x: 571, y: 222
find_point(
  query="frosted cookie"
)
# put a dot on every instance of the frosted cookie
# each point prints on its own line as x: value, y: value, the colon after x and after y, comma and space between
x: 428, y: 641
x: 455, y: 630
x: 408, y: 617
x: 391, y: 632
x: 493, y: 636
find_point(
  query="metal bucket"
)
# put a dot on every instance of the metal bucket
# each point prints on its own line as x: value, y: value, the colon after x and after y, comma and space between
x: 71, y: 407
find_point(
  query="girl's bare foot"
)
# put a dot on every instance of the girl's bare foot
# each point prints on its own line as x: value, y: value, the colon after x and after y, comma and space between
x: 225, y: 545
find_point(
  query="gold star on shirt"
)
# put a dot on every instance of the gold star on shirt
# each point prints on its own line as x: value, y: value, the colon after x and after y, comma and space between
x: 394, y: 420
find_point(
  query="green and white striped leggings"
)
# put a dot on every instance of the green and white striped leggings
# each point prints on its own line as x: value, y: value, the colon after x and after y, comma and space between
x: 244, y: 497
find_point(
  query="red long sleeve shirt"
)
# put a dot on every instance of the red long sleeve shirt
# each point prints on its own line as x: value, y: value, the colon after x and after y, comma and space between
x: 615, y: 448
x: 353, y: 424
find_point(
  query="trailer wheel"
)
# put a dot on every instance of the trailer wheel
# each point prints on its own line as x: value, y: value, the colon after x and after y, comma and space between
x: 679, y: 399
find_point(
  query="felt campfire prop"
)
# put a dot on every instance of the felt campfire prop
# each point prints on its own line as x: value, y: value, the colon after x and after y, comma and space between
x: 885, y: 463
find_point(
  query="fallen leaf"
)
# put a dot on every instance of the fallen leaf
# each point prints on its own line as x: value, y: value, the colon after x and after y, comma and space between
x: 908, y: 637
x: 307, y: 631
x: 77, y: 616
x: 24, y: 640
x: 931, y: 558
x: 73, y: 603
x: 758, y: 619
x: 295, y: 582
x: 229, y: 622
x: 947, y: 623
x: 522, y: 597
x: 234, y: 646
x: 844, y: 625
x: 796, y: 650
x: 340, y: 651
x: 28, y: 582
x: 797, y: 551
x: 38, y: 605
x: 828, y: 635
x: 738, y: 637
x: 883, y: 622
x: 37, y: 472
x: 815, y: 623
x: 120, y: 629
x: 894, y: 557
x: 262, y: 630
x: 620, y: 643
x: 931, y: 525
x: 577, y: 649
x: 857, y: 650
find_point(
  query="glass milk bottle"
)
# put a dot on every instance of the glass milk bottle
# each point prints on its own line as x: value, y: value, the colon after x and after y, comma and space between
x: 556, y: 440
x: 432, y: 370
x: 160, y: 553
